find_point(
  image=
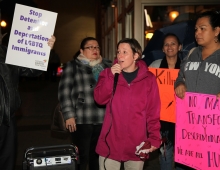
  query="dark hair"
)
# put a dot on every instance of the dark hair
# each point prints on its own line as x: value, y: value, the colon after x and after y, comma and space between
x: 76, y: 54
x: 214, y: 18
x: 134, y: 44
x: 179, y: 53
x: 172, y: 35
x: 85, y: 40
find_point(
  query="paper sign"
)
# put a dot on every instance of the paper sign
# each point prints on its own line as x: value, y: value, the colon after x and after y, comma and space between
x: 197, y: 138
x: 31, y: 29
x: 165, y: 80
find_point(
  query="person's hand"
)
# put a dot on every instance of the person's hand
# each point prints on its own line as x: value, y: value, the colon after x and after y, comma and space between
x: 153, y: 148
x: 142, y: 151
x: 180, y: 91
x: 71, y: 124
x: 51, y: 41
x: 218, y: 96
x: 116, y: 68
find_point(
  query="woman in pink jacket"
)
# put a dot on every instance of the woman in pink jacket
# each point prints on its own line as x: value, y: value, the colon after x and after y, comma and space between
x: 132, y: 113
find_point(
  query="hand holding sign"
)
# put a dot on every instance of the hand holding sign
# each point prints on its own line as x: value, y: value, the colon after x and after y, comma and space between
x: 51, y: 41
x: 29, y: 38
x: 180, y: 90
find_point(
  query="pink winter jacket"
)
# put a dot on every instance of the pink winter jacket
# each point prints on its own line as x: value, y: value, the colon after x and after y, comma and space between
x: 132, y: 114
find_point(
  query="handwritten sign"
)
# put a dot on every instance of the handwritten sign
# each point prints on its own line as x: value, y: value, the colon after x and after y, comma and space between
x: 165, y: 80
x: 197, y: 139
x: 30, y: 32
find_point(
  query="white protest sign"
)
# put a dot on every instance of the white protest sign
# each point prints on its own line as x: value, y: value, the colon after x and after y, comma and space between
x: 30, y: 32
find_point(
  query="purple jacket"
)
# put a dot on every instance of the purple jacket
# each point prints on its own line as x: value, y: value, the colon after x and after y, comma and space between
x: 132, y: 114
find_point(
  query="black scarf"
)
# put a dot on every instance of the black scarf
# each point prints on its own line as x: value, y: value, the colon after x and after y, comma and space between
x: 164, y: 63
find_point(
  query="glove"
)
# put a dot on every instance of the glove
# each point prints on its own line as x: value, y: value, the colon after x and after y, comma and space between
x: 143, y: 150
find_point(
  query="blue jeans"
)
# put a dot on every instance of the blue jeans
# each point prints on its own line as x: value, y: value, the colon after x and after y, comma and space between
x: 166, y: 160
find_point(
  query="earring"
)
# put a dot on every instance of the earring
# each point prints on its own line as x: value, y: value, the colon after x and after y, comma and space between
x: 216, y: 39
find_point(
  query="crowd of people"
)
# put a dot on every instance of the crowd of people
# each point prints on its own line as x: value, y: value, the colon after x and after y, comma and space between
x: 113, y: 109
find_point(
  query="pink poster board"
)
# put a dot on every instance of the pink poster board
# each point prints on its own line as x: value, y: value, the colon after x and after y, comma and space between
x: 197, y: 138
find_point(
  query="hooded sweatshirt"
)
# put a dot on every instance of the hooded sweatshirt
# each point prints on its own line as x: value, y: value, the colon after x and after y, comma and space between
x: 200, y: 76
x: 132, y: 113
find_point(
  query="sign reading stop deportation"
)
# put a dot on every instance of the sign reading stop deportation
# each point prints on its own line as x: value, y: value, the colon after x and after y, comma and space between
x: 30, y: 32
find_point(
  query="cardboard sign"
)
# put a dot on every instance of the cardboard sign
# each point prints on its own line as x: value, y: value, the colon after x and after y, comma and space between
x: 30, y: 32
x: 165, y: 80
x: 197, y: 139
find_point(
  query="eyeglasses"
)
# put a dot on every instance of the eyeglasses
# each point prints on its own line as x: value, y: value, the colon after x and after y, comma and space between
x: 92, y: 48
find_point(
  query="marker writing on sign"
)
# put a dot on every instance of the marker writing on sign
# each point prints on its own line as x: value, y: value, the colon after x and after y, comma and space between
x: 170, y: 104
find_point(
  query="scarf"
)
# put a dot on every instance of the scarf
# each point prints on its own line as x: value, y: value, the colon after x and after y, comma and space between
x: 94, y: 64
x: 164, y: 63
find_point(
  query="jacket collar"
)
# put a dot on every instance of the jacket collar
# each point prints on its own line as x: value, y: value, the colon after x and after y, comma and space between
x: 142, y: 72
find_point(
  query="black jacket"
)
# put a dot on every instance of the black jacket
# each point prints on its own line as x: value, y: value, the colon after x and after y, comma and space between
x: 9, y: 79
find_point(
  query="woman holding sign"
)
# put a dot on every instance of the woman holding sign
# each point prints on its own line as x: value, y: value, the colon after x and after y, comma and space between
x: 171, y: 60
x: 200, y: 72
x: 9, y: 102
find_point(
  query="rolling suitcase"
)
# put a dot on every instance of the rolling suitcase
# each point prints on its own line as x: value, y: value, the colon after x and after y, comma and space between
x: 57, y: 157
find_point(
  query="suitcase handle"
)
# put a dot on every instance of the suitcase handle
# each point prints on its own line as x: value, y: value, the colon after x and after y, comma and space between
x: 50, y: 147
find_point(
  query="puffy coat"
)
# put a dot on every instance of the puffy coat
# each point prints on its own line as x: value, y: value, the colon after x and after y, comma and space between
x: 132, y: 114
